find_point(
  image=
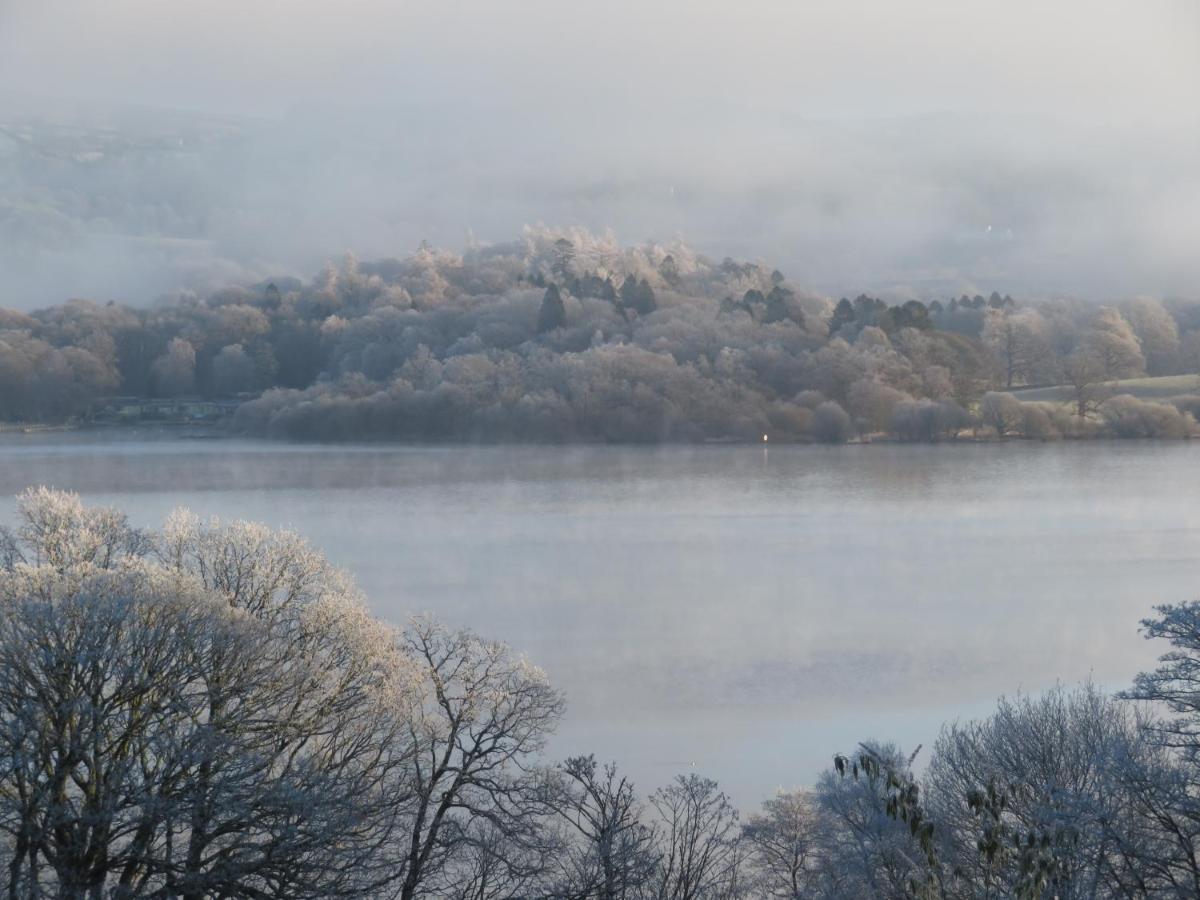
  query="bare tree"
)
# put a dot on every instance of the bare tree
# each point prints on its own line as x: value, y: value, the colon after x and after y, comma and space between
x: 1085, y: 373
x: 1017, y: 342
x: 784, y: 846
x: 608, y: 852
x: 96, y: 690
x: 1170, y: 796
x: 483, y: 715
x: 698, y: 833
x: 493, y: 863
x: 871, y: 404
x: 1002, y: 412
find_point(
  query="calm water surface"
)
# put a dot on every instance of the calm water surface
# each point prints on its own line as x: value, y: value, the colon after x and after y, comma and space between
x: 741, y: 611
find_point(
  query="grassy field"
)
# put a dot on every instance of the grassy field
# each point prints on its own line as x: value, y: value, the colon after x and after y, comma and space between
x: 1145, y: 388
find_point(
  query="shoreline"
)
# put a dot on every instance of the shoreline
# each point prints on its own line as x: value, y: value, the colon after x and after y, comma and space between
x: 214, y: 431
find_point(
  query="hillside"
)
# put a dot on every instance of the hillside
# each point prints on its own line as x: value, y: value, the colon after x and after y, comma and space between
x: 1161, y: 387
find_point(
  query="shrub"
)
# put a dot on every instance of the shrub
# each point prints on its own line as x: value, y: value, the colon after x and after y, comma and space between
x: 831, y: 424
x: 1125, y: 416
x: 928, y: 420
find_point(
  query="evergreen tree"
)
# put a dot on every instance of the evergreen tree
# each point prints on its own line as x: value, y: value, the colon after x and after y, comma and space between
x: 638, y: 296
x: 843, y: 314
x: 669, y: 270
x: 553, y: 313
x: 779, y: 306
x: 564, y: 258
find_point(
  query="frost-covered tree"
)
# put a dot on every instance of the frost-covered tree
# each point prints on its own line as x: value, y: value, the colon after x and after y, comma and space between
x: 41, y: 382
x: 1085, y: 373
x: 1001, y: 411
x: 1112, y: 342
x: 783, y: 843
x: 174, y: 372
x: 1059, y: 761
x: 928, y: 420
x: 607, y: 851
x: 876, y: 841
x: 1017, y: 343
x: 698, y: 840
x: 96, y: 699
x: 727, y: 346
x: 1128, y: 417
x: 316, y: 721
x: 871, y: 403
x: 482, y: 715
x: 831, y: 424
x: 1169, y: 795
x: 233, y: 371
x: 211, y: 712
x: 1157, y: 332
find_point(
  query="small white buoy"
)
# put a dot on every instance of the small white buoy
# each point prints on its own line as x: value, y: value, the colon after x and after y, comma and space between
x: 764, y: 438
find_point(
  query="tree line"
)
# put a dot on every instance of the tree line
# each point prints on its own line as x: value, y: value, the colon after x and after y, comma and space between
x: 569, y: 336
x: 207, y: 710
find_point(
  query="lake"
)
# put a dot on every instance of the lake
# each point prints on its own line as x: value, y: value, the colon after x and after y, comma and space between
x: 735, y: 610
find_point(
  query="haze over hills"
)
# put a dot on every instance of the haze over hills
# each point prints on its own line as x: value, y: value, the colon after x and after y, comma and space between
x: 916, y: 153
x: 110, y: 201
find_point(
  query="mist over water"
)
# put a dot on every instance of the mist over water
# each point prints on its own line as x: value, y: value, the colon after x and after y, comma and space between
x: 719, y: 603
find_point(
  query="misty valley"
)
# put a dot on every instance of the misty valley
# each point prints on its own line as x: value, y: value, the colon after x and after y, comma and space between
x: 638, y: 450
x: 557, y: 568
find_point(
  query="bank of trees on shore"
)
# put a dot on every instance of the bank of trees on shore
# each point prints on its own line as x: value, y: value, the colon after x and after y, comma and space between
x: 568, y: 336
x: 207, y: 710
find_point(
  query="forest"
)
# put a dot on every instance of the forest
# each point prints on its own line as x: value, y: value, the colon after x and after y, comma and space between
x: 207, y: 709
x: 564, y: 335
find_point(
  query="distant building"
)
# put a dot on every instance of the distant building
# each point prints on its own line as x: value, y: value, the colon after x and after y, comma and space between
x: 128, y: 410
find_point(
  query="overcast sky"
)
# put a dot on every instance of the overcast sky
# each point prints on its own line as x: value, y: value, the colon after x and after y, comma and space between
x: 902, y: 147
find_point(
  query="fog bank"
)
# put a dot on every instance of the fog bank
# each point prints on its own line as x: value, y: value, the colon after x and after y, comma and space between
x: 922, y: 153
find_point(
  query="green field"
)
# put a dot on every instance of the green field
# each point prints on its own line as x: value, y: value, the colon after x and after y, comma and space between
x: 1145, y: 388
